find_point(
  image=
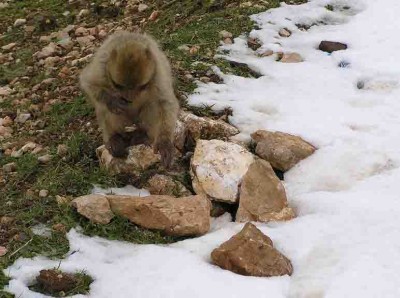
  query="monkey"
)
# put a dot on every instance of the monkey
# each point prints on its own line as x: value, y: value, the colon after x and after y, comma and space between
x: 129, y: 82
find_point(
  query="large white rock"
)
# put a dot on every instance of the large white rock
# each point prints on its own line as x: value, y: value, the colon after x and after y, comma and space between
x: 217, y: 168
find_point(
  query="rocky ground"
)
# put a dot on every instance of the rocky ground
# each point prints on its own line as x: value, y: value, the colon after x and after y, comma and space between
x: 50, y: 143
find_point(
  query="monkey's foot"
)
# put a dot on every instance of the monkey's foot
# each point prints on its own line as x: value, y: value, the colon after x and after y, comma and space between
x: 117, y: 145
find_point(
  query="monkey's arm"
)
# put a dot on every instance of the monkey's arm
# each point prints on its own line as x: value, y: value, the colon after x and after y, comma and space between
x: 158, y: 118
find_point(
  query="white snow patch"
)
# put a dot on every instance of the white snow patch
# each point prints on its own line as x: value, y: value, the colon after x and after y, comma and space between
x: 127, y: 190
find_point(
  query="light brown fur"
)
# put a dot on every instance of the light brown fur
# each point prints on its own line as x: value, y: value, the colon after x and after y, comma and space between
x: 129, y: 82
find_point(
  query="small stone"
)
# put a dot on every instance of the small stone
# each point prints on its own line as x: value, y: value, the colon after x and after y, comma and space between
x: 142, y: 7
x: 217, y: 168
x: 184, y: 48
x: 45, y: 39
x: 22, y: 117
x: 19, y: 22
x: 205, y: 79
x: 10, y: 167
x: 187, y: 216
x: 9, y: 46
x: 251, y: 253
x: 47, y: 51
x: 62, y: 150
x: 62, y: 200
x: 6, y: 220
x: 81, y: 31
x: 331, y: 46
x: 102, y: 34
x: 225, y: 34
x: 284, y: 32
x: 6, y: 121
x: 85, y: 40
x: 28, y: 147
x: 94, y: 207
x: 3, y: 251
x: 154, y: 15
x: 83, y: 13
x: 45, y: 158
x: 43, y: 193
x: 5, y: 91
x: 262, y: 195
x: 59, y: 227
x: 166, y: 185
x: 228, y: 40
x: 291, y: 58
x: 282, y: 150
x: 253, y: 43
x: 267, y: 53
x: 55, y: 281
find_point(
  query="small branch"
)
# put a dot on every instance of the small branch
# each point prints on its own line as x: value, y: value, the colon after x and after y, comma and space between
x: 29, y: 241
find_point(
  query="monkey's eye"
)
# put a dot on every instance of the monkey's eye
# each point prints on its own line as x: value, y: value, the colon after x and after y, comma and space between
x: 118, y: 86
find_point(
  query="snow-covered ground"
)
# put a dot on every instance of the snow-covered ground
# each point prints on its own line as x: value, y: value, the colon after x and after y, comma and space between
x: 345, y: 241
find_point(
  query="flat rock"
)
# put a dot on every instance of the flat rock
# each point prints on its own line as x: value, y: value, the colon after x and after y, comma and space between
x: 166, y: 185
x: 262, y: 195
x: 331, y: 46
x: 9, y: 46
x: 282, y: 150
x: 187, y: 216
x: 251, y: 253
x: 19, y: 22
x: 291, y: 58
x: 217, y: 168
x: 206, y: 128
x: 22, y: 117
x: 96, y: 208
x: 10, y: 167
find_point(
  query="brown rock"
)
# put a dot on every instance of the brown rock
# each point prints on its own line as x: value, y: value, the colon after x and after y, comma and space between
x: 253, y: 43
x: 154, y: 15
x: 262, y: 195
x: 188, y: 216
x: 181, y: 133
x: 53, y: 281
x: 291, y: 58
x: 94, y: 207
x: 267, y: 53
x: 285, y: 32
x: 3, y: 251
x: 10, y: 167
x: 282, y: 150
x: 250, y: 252
x: 331, y: 46
x: 206, y: 128
x: 165, y: 185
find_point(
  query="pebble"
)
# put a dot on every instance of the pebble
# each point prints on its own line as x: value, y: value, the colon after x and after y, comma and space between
x: 44, y: 158
x: 62, y: 150
x: 154, y: 15
x: 9, y: 46
x: 142, y: 7
x: 10, y: 167
x: 3, y: 251
x: 225, y: 34
x: 22, y: 118
x: 43, y: 193
x: 19, y: 22
x: 284, y: 32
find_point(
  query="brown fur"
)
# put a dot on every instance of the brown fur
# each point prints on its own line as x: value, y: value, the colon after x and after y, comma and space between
x: 129, y: 82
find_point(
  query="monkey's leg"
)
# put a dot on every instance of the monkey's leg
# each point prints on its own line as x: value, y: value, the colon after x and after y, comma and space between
x: 138, y: 136
x: 158, y: 118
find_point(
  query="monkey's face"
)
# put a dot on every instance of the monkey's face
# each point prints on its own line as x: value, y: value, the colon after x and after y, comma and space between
x: 131, y: 68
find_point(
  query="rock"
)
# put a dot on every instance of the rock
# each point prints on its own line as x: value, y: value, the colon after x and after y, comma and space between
x: 47, y: 51
x: 142, y: 7
x: 94, y: 207
x: 45, y: 158
x: 180, y: 135
x: 28, y: 147
x: 228, y: 41
x: 284, y: 32
x: 102, y: 34
x: 83, y: 13
x: 262, y: 195
x: 184, y: 48
x: 3, y: 251
x: 5, y: 91
x: 140, y: 158
x: 154, y: 15
x: 5, y: 131
x: 9, y: 47
x: 45, y: 39
x: 251, y: 253
x: 291, y: 58
x: 331, y: 46
x: 81, y: 31
x: 19, y: 22
x: 10, y: 167
x: 62, y: 150
x: 194, y: 50
x: 225, y: 34
x: 22, y: 117
x: 59, y: 227
x: 206, y: 128
x: 166, y: 185
x: 253, y: 43
x: 85, y: 40
x: 53, y: 281
x: 6, y: 121
x: 282, y: 150
x: 187, y: 216
x: 217, y: 168
x: 43, y: 193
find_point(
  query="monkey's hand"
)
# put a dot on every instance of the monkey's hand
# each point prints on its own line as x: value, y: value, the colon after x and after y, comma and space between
x: 166, y: 149
x: 117, y: 145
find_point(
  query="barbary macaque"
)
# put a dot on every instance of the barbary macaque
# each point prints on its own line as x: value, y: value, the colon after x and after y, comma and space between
x: 129, y: 81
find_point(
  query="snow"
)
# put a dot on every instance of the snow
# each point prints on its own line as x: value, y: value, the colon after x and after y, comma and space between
x: 345, y: 241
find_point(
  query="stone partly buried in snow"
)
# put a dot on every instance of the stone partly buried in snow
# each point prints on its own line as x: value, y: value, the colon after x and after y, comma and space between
x: 206, y: 128
x: 217, y: 168
x: 187, y: 216
x: 250, y: 252
x: 331, y: 46
x: 166, y: 185
x: 290, y: 58
x: 282, y: 150
x: 262, y: 195
x: 140, y: 158
x: 96, y: 208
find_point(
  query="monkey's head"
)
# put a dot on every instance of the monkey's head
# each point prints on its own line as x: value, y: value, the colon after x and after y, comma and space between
x: 130, y: 68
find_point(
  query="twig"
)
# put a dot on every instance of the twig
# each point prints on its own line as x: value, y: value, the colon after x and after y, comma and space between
x: 168, y: 4
x: 20, y: 248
